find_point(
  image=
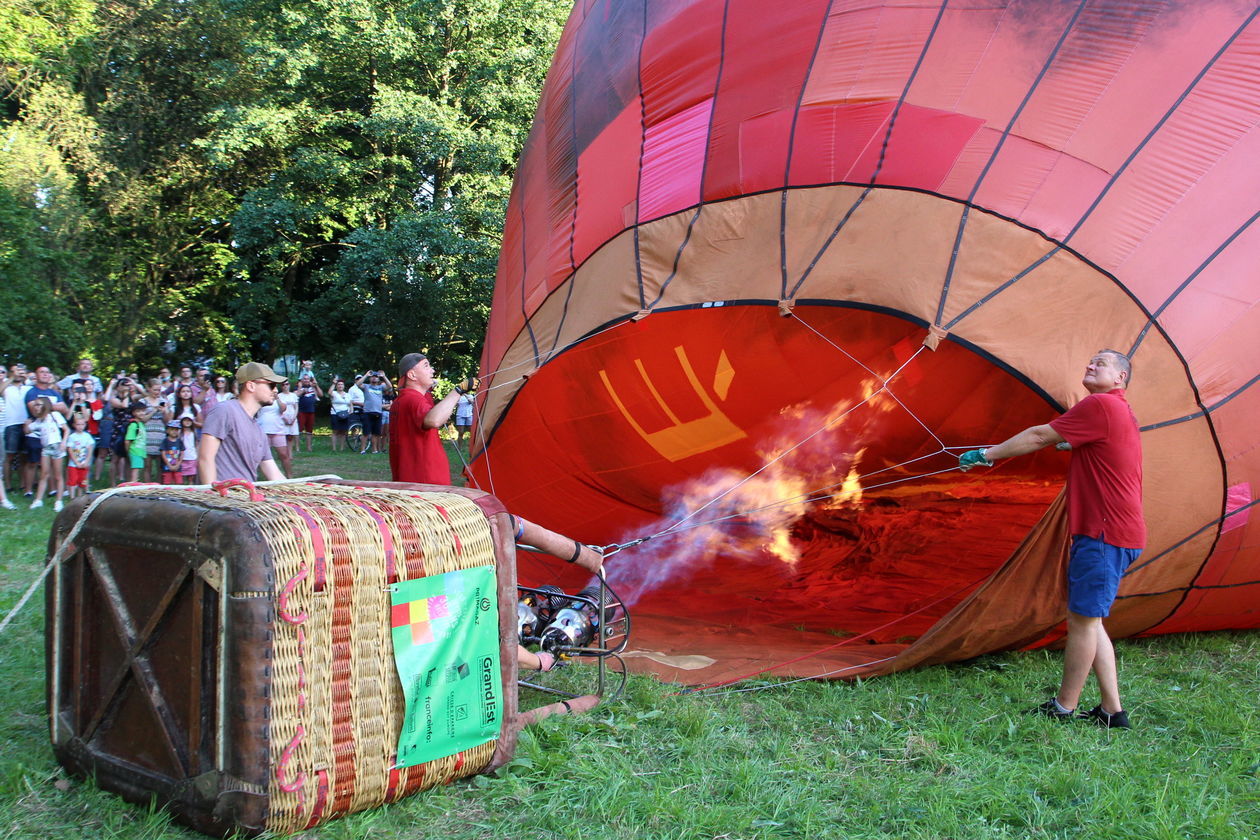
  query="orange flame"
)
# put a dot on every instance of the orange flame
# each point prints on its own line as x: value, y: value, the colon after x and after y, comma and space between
x: 798, y: 473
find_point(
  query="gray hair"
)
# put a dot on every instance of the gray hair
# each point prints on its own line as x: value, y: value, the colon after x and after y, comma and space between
x: 1123, y: 362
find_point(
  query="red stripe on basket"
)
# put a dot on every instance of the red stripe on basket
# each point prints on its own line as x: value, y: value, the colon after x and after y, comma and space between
x: 395, y: 776
x: 459, y: 762
x: 459, y: 547
x: 341, y: 678
x: 415, y: 780
x: 321, y: 798
x: 387, y: 539
x: 317, y: 543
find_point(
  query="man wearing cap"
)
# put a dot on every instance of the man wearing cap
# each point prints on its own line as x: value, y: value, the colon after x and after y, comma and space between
x: 415, y: 451
x: 232, y: 445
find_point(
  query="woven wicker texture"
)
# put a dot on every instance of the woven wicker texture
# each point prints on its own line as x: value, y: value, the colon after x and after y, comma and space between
x: 337, y: 705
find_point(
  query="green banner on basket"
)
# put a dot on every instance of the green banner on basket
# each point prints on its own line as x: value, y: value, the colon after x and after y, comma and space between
x: 446, y: 649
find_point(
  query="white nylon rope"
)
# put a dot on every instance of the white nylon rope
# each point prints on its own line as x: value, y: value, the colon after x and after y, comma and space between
x: 59, y: 555
x: 813, y: 495
x: 884, y: 383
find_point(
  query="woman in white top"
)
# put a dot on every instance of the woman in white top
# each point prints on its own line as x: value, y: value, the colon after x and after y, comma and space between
x: 271, y: 422
x: 288, y: 402
x: 340, y: 418
x: 49, y: 426
x: 183, y: 405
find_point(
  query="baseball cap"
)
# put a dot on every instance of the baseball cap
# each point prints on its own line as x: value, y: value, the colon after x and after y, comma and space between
x: 250, y: 371
x: 172, y: 424
x: 406, y: 363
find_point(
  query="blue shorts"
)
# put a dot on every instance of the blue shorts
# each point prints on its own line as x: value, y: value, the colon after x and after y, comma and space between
x: 34, y: 448
x: 371, y: 423
x: 1094, y: 572
x: 13, y: 439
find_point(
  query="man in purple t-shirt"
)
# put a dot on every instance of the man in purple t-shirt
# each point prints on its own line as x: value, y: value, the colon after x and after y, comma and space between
x: 232, y: 445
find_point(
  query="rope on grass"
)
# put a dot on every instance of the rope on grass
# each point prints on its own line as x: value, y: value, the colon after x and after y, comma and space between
x: 66, y: 543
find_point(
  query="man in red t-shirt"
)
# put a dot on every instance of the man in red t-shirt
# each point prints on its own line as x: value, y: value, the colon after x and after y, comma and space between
x: 415, y: 451
x: 1104, y: 497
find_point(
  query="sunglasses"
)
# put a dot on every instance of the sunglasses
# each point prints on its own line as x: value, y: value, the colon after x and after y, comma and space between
x: 270, y: 385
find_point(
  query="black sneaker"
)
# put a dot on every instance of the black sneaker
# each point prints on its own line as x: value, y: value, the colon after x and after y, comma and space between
x: 1114, y: 720
x: 1048, y: 709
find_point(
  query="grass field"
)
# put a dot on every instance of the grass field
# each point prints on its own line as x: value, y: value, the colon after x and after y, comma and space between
x: 938, y: 753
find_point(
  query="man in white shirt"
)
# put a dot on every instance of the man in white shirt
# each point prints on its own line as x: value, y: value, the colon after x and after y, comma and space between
x: 82, y: 374
x: 15, y: 416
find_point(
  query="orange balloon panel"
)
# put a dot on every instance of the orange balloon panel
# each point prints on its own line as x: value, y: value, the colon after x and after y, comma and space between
x: 731, y: 223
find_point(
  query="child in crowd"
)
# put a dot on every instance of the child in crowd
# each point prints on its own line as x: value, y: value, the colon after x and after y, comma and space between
x: 48, y: 427
x: 79, y: 447
x: 135, y: 440
x: 171, y: 450
x: 188, y: 436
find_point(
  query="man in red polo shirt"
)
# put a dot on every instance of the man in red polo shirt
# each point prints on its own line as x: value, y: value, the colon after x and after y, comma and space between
x: 1104, y: 496
x: 415, y: 451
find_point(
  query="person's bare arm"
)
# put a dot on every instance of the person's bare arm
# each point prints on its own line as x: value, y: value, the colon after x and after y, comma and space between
x: 206, y: 450
x: 270, y: 471
x: 1029, y: 440
x: 440, y: 414
x: 558, y: 545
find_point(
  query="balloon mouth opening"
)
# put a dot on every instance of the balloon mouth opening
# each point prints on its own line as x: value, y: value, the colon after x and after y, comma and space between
x: 818, y: 501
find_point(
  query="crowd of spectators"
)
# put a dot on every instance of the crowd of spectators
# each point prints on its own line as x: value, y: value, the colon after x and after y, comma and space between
x: 64, y: 436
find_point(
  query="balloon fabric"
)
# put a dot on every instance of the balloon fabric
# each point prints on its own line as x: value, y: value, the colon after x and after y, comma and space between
x: 769, y: 270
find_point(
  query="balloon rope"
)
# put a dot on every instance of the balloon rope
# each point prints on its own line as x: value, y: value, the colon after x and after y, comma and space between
x: 913, y: 416
x: 68, y: 540
x: 831, y: 422
x: 550, y: 354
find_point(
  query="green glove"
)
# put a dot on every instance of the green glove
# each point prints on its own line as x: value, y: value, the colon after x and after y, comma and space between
x: 973, y: 458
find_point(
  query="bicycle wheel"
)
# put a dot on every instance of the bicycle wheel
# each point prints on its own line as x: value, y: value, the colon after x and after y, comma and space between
x: 354, y: 437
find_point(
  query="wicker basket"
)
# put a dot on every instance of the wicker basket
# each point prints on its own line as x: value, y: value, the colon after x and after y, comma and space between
x: 231, y: 655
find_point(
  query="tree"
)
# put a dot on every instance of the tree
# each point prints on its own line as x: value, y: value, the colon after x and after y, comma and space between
x: 393, y: 129
x: 259, y: 177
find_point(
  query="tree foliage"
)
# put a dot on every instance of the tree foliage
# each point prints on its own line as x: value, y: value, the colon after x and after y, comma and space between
x: 234, y: 178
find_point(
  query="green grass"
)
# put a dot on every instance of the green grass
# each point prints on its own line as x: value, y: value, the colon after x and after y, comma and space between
x: 937, y: 753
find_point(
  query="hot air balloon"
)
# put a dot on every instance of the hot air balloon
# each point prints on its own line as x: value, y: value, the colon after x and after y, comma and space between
x: 768, y: 268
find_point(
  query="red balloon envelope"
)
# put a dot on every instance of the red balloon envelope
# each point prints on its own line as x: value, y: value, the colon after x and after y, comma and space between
x: 768, y: 268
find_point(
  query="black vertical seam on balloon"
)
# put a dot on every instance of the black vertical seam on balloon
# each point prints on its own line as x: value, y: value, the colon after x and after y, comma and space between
x: 1224, y: 467
x: 704, y: 167
x: 997, y: 150
x: 564, y: 312
x: 1160, y: 124
x: 638, y: 189
x: 1204, y: 411
x: 1152, y: 321
x: 1214, y: 523
x: 791, y: 149
x: 883, y: 152
x: 577, y: 179
x: 533, y: 340
x: 1111, y: 182
x: 1186, y: 283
